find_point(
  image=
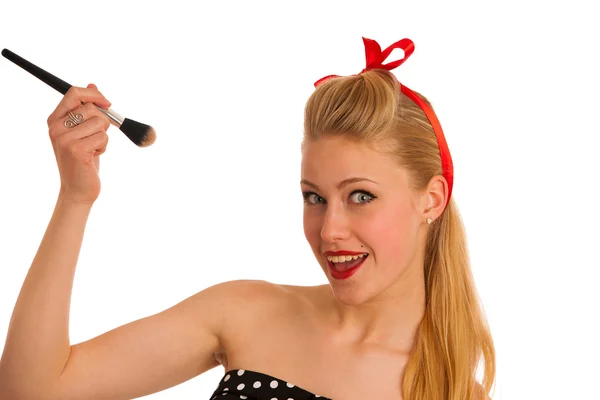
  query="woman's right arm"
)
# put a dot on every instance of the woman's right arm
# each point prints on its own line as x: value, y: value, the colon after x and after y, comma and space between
x: 139, y: 358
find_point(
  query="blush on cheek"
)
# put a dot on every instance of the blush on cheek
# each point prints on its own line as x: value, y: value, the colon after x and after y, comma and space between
x: 311, y: 229
x: 312, y: 233
x: 391, y: 236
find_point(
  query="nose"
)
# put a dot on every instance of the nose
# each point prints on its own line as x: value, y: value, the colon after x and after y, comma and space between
x: 336, y: 225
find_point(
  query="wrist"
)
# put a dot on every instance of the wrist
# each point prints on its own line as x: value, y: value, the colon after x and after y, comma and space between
x: 64, y: 201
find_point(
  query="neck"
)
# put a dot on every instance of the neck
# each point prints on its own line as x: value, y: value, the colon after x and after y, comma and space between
x: 390, y: 319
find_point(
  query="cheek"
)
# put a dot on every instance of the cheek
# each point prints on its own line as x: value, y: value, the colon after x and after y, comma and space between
x: 391, y: 234
x: 311, y: 228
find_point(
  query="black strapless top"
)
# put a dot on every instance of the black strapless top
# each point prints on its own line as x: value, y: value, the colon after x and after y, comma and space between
x: 252, y: 385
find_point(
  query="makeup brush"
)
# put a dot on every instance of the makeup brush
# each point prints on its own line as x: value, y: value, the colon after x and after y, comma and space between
x: 141, y: 134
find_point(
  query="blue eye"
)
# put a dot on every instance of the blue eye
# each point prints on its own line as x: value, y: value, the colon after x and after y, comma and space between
x: 362, y: 197
x: 311, y: 197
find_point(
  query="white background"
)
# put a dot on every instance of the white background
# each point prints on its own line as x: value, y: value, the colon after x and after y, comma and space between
x: 217, y: 197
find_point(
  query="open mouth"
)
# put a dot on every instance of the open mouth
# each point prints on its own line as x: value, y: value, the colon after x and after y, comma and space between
x: 343, y: 267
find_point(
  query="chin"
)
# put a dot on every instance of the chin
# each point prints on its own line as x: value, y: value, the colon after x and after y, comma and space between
x: 348, y: 294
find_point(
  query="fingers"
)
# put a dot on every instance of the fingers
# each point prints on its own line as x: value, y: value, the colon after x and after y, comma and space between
x: 74, y: 98
x: 80, y: 132
x: 94, y: 121
x: 90, y: 147
x: 84, y: 143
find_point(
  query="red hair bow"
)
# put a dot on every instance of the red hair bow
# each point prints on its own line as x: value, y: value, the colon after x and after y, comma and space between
x: 375, y: 60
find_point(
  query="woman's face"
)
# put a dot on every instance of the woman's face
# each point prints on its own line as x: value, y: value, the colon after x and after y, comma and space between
x: 358, y: 199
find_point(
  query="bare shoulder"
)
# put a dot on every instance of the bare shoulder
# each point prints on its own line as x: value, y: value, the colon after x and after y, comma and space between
x: 254, y: 303
x: 250, y: 292
x: 247, y: 298
x: 265, y: 295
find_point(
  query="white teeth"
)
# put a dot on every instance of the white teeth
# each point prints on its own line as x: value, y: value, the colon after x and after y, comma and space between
x: 341, y: 259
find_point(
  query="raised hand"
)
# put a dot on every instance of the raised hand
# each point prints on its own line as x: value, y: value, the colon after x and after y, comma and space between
x: 77, y: 131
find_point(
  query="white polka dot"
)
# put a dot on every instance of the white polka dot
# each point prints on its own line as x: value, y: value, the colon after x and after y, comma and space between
x: 290, y: 385
x: 274, y: 384
x: 225, y: 389
x: 256, y: 385
x: 241, y: 372
x: 226, y: 378
x: 242, y: 396
x: 240, y: 386
x: 290, y: 398
x: 274, y: 398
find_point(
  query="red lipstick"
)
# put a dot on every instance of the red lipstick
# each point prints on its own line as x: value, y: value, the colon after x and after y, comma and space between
x: 344, y: 253
x: 343, y: 274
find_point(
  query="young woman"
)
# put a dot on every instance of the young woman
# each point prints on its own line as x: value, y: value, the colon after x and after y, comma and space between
x: 399, y: 319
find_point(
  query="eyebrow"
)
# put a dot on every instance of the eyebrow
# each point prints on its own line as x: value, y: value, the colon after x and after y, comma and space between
x: 340, y: 185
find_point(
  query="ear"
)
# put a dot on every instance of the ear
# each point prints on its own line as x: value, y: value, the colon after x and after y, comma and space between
x: 434, y: 197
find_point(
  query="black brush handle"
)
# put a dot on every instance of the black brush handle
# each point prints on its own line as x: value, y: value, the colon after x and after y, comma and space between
x: 55, y: 82
x: 36, y: 71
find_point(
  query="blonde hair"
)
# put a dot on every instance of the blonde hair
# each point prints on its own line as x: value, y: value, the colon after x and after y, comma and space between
x: 453, y: 334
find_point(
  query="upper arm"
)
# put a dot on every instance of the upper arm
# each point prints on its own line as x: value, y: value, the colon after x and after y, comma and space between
x: 152, y: 353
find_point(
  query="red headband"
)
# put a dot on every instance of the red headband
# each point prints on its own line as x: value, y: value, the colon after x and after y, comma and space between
x: 375, y: 58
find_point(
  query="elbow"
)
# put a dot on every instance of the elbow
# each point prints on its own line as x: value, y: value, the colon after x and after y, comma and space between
x: 16, y: 389
x: 8, y: 392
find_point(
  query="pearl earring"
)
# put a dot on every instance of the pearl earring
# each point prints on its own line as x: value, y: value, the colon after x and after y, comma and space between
x: 428, y: 221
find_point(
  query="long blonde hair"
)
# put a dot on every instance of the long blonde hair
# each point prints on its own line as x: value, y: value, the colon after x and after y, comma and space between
x: 453, y: 334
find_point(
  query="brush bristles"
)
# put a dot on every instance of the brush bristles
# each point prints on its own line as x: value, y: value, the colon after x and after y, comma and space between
x: 141, y: 134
